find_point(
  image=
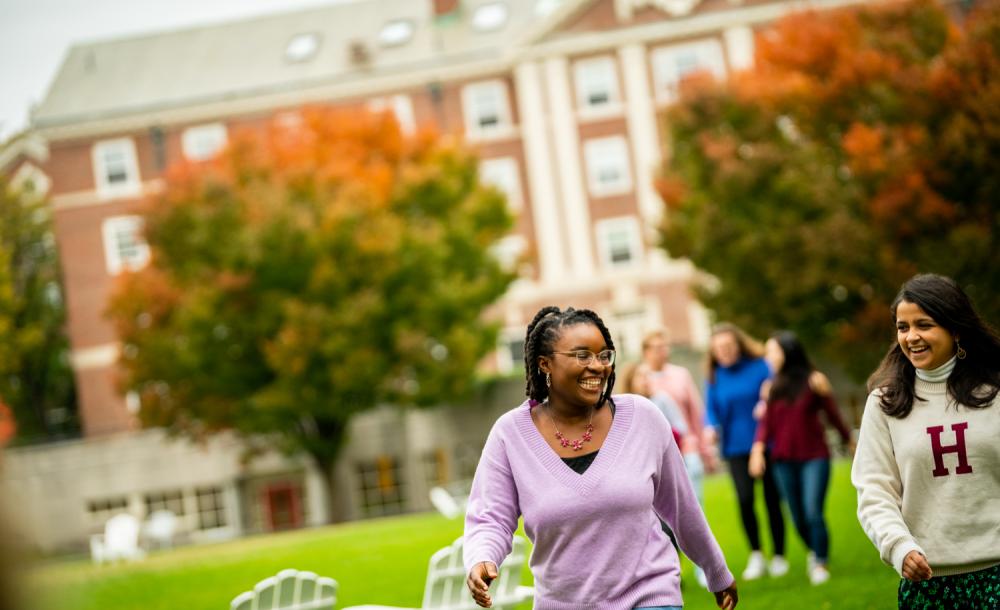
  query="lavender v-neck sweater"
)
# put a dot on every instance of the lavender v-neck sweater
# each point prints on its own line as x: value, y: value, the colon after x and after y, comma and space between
x: 597, y: 542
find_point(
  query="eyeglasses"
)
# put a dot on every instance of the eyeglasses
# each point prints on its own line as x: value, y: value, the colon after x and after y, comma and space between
x: 584, y: 356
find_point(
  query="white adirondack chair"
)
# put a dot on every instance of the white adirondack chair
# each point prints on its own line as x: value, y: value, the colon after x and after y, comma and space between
x: 446, y: 589
x: 450, y: 500
x: 120, y: 540
x: 289, y: 590
x: 160, y: 528
x: 445, y: 503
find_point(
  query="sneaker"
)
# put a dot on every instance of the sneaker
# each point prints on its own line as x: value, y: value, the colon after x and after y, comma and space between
x: 810, y: 562
x: 778, y: 566
x: 699, y: 575
x: 819, y: 574
x: 756, y: 566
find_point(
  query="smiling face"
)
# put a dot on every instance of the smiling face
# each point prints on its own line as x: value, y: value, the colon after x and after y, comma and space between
x: 924, y: 342
x: 573, y: 385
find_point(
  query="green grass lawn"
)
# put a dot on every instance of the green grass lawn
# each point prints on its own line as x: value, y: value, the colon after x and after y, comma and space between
x: 385, y: 562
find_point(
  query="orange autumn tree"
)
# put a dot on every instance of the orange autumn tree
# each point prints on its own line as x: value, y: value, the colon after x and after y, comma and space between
x: 863, y: 147
x: 309, y: 274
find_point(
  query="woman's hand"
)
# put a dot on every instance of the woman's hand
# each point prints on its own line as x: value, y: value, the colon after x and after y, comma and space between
x: 727, y: 598
x: 478, y: 581
x: 916, y: 568
x: 756, y: 465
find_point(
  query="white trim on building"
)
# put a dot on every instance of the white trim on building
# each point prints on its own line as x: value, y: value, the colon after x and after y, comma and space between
x: 203, y: 142
x: 125, y: 248
x: 116, y: 168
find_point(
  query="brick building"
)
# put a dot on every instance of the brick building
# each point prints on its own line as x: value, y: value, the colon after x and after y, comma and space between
x: 560, y: 98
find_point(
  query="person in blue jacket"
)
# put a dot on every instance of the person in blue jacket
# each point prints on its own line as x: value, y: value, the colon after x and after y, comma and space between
x: 736, y: 373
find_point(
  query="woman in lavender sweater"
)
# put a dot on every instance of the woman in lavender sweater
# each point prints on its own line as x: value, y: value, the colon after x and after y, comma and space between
x: 591, y: 476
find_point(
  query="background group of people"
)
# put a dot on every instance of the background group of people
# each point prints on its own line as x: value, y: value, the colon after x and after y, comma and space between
x: 763, y: 411
x: 610, y: 485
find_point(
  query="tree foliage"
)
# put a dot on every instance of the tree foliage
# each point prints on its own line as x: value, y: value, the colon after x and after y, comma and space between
x: 863, y: 147
x: 36, y: 381
x: 308, y: 274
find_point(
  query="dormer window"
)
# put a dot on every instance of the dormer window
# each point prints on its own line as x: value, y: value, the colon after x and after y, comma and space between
x: 544, y: 7
x: 396, y: 33
x: 490, y: 16
x: 302, y: 47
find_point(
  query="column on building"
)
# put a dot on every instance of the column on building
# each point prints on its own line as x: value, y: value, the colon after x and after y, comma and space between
x: 566, y: 141
x: 640, y: 117
x: 535, y: 134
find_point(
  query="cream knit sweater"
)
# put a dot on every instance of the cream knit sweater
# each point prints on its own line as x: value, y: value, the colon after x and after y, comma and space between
x: 931, y: 482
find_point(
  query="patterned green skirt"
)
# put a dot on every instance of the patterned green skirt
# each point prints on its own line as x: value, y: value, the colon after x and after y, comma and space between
x: 971, y: 591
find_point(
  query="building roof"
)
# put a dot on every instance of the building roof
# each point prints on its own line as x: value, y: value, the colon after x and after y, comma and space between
x: 336, y: 43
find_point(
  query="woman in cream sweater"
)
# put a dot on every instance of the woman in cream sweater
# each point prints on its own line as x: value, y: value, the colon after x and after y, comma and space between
x: 927, y: 467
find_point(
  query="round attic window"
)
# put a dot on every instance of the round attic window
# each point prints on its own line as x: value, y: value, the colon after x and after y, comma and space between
x: 396, y: 32
x: 302, y: 47
x: 490, y: 16
x: 544, y: 7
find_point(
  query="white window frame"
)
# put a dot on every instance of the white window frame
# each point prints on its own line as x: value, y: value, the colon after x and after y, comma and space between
x: 29, y: 177
x: 608, y: 230
x: 129, y: 164
x: 596, y: 75
x: 503, y: 173
x: 506, y: 362
x: 113, y: 229
x: 401, y: 107
x: 610, y: 152
x: 667, y: 74
x: 396, y: 32
x: 486, y: 93
x: 203, y: 142
x: 490, y: 16
x: 508, y: 251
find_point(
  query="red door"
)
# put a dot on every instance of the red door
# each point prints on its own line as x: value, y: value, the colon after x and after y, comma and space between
x: 282, y: 506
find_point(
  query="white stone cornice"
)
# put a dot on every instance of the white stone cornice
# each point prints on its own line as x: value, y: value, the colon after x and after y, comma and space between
x: 90, y: 197
x: 697, y: 24
x: 95, y: 357
x: 249, y: 103
x: 566, y: 289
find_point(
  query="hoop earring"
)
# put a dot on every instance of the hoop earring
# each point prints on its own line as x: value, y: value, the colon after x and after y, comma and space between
x: 961, y: 353
x: 548, y: 380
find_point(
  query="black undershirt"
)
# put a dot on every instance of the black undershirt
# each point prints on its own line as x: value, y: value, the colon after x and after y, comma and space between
x: 580, y: 463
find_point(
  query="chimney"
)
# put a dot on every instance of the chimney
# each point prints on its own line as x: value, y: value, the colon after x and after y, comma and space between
x: 443, y: 8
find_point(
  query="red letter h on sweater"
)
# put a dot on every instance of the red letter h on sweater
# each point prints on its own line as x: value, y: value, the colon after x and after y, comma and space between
x: 959, y: 448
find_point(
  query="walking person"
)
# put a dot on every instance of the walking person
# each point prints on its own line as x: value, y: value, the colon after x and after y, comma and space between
x: 636, y: 380
x: 927, y: 466
x: 736, y: 372
x: 669, y: 379
x: 676, y: 381
x: 791, y: 429
x: 591, y: 475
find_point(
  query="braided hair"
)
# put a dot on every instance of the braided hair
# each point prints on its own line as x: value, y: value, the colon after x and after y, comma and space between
x: 543, y: 332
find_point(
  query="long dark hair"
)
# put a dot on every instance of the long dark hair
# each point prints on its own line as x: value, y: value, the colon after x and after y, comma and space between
x: 749, y: 348
x: 976, y: 379
x: 794, y: 373
x: 542, y: 334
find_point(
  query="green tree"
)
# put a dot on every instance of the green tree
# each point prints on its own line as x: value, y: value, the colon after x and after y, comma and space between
x: 863, y: 147
x: 310, y: 274
x: 36, y: 380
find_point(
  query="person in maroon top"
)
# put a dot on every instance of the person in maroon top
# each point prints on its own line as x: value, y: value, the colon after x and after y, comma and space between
x: 793, y: 433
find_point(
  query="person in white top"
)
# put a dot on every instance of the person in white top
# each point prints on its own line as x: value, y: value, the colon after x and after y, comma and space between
x: 927, y: 467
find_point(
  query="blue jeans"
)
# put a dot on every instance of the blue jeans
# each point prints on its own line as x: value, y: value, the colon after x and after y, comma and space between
x: 804, y: 485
